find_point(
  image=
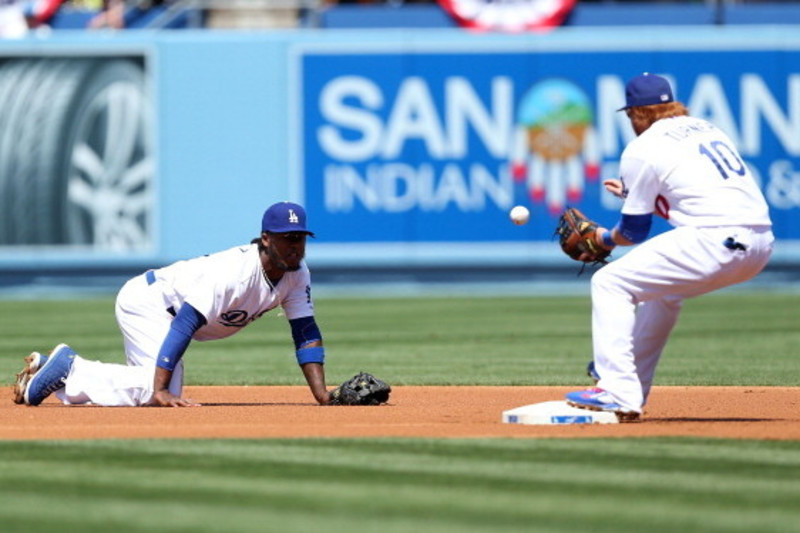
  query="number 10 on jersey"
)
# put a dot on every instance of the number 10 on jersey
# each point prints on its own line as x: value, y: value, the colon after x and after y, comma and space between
x: 724, y: 158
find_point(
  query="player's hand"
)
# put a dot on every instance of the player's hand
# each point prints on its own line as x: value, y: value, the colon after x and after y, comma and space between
x: 614, y: 187
x: 164, y: 398
x: 324, y: 398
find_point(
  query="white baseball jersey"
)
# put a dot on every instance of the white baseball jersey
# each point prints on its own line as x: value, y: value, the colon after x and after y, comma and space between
x: 231, y: 290
x: 688, y: 171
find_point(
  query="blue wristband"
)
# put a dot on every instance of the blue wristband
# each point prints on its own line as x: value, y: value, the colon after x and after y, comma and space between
x: 607, y: 240
x: 315, y: 354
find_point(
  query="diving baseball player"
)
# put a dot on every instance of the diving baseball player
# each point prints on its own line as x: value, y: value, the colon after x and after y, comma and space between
x: 689, y: 172
x: 206, y: 298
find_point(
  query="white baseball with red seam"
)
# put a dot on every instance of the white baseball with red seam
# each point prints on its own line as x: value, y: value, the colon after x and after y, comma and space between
x: 519, y: 215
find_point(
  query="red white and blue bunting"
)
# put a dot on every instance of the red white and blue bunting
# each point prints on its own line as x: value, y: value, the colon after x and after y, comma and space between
x: 508, y: 15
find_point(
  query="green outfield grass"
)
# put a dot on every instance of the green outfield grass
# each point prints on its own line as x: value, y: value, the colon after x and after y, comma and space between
x: 722, y: 339
x: 420, y: 485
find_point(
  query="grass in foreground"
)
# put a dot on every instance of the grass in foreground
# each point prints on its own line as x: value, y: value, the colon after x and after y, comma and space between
x: 395, y: 485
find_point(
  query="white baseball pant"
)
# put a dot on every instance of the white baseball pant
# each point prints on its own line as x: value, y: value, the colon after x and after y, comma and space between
x: 143, y: 318
x: 636, y: 299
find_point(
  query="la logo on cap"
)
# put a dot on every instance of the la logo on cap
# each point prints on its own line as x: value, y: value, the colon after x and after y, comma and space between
x: 284, y: 217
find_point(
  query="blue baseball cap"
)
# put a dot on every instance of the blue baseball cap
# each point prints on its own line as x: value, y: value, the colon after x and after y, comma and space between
x: 285, y: 217
x: 647, y: 89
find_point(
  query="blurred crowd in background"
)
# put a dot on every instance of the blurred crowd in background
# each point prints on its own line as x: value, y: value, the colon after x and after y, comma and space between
x: 19, y: 17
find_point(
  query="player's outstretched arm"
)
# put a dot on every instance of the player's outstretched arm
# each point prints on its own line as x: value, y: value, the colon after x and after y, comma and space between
x: 315, y: 377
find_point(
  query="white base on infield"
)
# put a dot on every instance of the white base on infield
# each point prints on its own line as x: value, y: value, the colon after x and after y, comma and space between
x: 556, y: 413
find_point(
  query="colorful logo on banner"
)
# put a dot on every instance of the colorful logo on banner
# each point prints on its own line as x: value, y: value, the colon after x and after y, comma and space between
x: 555, y: 144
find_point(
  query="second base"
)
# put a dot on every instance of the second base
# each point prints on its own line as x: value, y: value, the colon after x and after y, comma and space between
x: 556, y: 413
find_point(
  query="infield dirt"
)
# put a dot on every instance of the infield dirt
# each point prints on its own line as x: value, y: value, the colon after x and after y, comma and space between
x: 288, y: 412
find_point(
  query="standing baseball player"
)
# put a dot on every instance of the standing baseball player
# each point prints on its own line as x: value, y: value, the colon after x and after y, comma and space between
x: 689, y: 172
x: 206, y: 298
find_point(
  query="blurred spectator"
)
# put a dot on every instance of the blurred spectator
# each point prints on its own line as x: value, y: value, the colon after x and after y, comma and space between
x: 111, y: 15
x: 17, y: 17
x: 115, y: 14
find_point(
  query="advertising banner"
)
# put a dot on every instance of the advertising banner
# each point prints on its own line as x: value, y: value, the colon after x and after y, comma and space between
x: 408, y: 145
x: 77, y: 164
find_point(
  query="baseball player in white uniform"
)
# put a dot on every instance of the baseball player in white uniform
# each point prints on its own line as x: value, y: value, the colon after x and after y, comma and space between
x: 689, y: 172
x: 205, y: 298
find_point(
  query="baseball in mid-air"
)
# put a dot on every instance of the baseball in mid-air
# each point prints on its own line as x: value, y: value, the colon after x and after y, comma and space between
x: 519, y: 215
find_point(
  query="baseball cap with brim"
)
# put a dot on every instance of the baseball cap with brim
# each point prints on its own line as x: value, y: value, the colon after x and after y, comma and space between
x: 285, y: 217
x: 647, y: 89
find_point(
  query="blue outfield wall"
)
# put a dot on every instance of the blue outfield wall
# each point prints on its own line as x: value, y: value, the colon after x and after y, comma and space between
x: 407, y: 146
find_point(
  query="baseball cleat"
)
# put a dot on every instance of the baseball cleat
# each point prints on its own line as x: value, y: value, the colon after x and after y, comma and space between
x: 596, y: 399
x: 51, y: 376
x: 33, y: 363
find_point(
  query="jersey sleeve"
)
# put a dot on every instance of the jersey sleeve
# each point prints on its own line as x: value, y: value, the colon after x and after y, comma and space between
x: 298, y: 302
x: 641, y: 185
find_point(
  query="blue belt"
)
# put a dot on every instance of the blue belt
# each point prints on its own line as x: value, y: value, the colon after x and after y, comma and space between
x: 150, y: 276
